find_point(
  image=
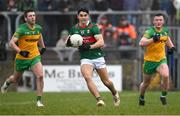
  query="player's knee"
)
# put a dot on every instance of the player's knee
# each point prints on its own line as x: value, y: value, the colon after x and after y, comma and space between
x: 145, y: 84
x: 165, y: 75
x: 12, y: 79
x: 40, y: 76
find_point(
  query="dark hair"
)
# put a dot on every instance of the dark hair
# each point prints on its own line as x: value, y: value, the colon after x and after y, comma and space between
x: 160, y: 14
x: 27, y: 11
x: 83, y: 10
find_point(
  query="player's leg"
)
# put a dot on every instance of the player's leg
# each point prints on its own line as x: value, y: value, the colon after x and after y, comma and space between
x: 38, y: 71
x: 20, y: 66
x: 87, y: 70
x: 143, y: 86
x: 149, y: 68
x: 109, y: 84
x: 163, y: 70
x: 11, y: 79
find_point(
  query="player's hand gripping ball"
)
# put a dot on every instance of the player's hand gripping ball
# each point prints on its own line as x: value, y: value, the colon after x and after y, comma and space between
x: 76, y: 40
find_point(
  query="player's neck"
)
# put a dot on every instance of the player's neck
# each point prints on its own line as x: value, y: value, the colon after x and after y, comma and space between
x: 83, y: 25
x: 158, y: 28
x: 31, y: 26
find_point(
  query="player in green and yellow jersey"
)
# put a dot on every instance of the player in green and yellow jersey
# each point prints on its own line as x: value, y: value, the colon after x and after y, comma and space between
x: 25, y: 42
x: 92, y: 56
x: 154, y: 40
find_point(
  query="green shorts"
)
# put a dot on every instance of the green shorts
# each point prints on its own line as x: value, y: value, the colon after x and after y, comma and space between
x: 150, y: 67
x: 22, y: 65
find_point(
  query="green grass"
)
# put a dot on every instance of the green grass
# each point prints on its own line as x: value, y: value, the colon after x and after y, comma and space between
x: 84, y: 104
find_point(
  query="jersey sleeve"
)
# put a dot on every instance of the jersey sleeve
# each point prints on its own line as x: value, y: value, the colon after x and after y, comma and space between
x: 95, y: 30
x: 18, y: 33
x: 39, y: 28
x: 166, y: 30
x: 148, y: 33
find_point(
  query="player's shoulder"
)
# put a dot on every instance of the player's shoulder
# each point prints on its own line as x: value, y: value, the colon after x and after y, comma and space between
x: 150, y: 29
x: 38, y: 26
x: 93, y: 24
x: 21, y: 26
x: 74, y: 26
x: 165, y: 29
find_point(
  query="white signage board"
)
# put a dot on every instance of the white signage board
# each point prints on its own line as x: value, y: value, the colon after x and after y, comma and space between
x: 68, y: 78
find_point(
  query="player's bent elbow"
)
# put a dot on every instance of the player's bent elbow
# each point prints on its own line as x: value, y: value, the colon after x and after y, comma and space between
x: 141, y: 43
x: 10, y: 44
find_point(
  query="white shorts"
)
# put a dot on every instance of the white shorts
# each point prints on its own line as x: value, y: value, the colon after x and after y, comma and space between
x: 96, y: 63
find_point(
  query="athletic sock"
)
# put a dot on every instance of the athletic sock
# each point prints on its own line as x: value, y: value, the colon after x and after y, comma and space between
x: 8, y: 83
x: 141, y: 97
x: 163, y: 93
x: 38, y: 98
x: 98, y: 98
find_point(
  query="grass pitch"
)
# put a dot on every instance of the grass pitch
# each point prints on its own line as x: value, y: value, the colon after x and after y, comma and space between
x: 83, y: 103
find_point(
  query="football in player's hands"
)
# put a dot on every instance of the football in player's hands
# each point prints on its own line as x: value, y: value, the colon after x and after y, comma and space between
x: 68, y: 43
x: 74, y: 40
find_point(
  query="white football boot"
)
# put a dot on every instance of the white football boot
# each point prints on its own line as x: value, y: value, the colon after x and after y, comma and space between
x: 100, y: 103
x: 39, y: 104
x: 4, y: 88
x: 116, y: 99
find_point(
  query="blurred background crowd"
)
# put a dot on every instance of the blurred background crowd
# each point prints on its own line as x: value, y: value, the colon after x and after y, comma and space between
x: 93, y: 5
x: 118, y: 30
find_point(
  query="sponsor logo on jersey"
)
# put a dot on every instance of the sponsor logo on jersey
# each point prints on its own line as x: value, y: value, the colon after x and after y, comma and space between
x: 82, y: 32
x: 31, y: 40
x: 88, y: 31
x: 88, y: 39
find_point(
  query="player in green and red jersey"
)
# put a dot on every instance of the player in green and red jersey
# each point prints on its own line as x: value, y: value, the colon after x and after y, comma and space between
x: 25, y: 42
x: 92, y: 57
x: 155, y: 39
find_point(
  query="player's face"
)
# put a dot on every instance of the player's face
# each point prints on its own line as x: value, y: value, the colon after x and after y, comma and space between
x: 83, y: 17
x: 31, y: 18
x: 158, y: 21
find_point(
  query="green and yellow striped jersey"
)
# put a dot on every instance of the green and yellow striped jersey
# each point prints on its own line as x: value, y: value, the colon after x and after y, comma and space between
x: 156, y: 51
x: 28, y: 40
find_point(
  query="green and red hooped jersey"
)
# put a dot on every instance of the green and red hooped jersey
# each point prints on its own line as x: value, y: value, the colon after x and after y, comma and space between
x: 28, y: 40
x: 88, y: 34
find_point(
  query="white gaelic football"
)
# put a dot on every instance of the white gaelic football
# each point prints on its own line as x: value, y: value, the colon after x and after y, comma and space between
x: 76, y: 40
